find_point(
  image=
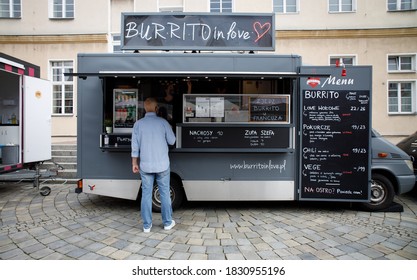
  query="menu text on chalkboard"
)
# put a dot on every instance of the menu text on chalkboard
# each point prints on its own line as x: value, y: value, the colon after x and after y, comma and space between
x: 335, y: 148
x: 269, y: 109
x: 232, y: 137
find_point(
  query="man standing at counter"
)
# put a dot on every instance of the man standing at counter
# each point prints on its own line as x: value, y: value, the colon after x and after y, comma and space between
x: 150, y: 139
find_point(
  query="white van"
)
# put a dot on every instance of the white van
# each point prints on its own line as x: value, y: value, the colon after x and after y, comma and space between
x: 392, y: 173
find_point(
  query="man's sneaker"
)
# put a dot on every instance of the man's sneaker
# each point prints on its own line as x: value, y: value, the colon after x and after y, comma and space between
x: 146, y: 230
x: 170, y: 226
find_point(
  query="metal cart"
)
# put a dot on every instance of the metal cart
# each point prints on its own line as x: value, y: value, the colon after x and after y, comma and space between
x: 31, y: 172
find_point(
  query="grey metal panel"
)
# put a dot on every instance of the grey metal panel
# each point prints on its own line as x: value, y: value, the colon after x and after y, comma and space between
x: 234, y: 166
x: 94, y: 63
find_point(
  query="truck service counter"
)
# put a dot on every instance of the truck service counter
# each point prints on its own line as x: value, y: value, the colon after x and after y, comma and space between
x: 226, y: 123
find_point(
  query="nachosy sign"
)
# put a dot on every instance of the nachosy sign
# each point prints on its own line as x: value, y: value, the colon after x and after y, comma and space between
x: 182, y: 31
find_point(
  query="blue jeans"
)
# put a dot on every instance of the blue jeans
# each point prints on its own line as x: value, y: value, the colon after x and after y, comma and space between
x: 162, y: 179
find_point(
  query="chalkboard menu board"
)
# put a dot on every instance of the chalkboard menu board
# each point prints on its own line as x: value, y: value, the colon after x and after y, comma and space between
x: 184, y: 31
x: 335, y: 136
x: 235, y: 137
x: 269, y: 109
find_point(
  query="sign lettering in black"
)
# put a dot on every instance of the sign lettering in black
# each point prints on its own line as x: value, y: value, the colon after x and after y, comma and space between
x: 197, y: 32
x: 235, y: 137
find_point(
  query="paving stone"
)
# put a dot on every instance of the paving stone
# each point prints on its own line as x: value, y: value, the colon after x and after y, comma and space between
x: 198, y: 257
x: 359, y: 256
x: 195, y: 241
x: 250, y: 255
x: 119, y: 255
x: 9, y: 254
x: 180, y: 256
x: 66, y: 225
x: 91, y: 256
x: 211, y: 242
x: 77, y: 253
x: 94, y: 247
x: 106, y: 251
x: 229, y: 242
x: 324, y: 255
x: 335, y: 251
x: 216, y: 256
x: 268, y: 255
x: 197, y: 249
x: 235, y: 256
x: 214, y: 250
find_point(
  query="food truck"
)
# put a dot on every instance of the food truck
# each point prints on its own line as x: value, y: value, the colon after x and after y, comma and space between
x: 25, y: 119
x: 249, y: 125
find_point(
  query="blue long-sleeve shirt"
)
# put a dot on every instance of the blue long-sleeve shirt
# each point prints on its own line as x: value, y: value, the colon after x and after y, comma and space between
x: 150, y: 139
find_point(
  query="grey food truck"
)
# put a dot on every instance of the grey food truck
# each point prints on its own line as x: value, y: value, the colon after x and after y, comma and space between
x: 249, y: 126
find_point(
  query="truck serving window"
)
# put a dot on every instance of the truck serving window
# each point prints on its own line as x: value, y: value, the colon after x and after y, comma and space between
x: 236, y: 108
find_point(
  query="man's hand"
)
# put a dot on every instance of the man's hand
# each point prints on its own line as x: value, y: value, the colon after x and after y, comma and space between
x: 135, y: 168
x: 135, y: 165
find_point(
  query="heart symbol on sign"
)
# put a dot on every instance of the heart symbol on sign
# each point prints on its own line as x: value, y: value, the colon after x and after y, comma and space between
x: 313, y: 81
x: 261, y: 29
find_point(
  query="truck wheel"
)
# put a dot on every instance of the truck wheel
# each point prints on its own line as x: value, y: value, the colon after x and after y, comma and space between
x: 382, y: 193
x: 177, y: 196
x: 45, y: 191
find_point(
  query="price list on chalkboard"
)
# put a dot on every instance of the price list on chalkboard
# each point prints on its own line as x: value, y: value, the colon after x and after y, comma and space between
x: 235, y: 137
x: 335, y: 147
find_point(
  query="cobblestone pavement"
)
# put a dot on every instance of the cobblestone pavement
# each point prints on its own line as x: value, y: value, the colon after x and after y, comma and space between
x: 66, y: 225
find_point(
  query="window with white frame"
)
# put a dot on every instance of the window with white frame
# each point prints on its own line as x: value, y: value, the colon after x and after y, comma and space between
x: 171, y: 5
x: 61, y: 9
x: 401, y: 63
x: 401, y: 5
x: 116, y: 43
x: 342, y: 60
x: 286, y: 6
x: 340, y: 6
x: 221, y: 6
x: 10, y: 8
x: 62, y: 87
x: 401, y: 96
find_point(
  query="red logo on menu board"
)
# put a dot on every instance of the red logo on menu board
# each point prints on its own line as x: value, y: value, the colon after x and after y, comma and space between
x: 313, y: 81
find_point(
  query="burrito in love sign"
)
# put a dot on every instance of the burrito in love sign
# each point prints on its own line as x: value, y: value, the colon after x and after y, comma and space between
x: 184, y: 31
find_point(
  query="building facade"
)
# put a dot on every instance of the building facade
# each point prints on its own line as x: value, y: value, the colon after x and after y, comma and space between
x: 381, y: 33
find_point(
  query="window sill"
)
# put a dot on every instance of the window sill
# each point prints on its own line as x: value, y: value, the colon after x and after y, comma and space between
x: 392, y: 114
x: 67, y: 18
x: 402, y: 72
x: 62, y: 115
x: 341, y: 12
x: 287, y: 13
x: 399, y: 11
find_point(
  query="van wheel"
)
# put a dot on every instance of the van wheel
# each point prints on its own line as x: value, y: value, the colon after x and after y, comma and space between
x: 382, y: 193
x: 177, y: 196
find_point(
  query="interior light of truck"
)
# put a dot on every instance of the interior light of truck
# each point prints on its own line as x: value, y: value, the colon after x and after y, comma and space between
x: 382, y: 155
